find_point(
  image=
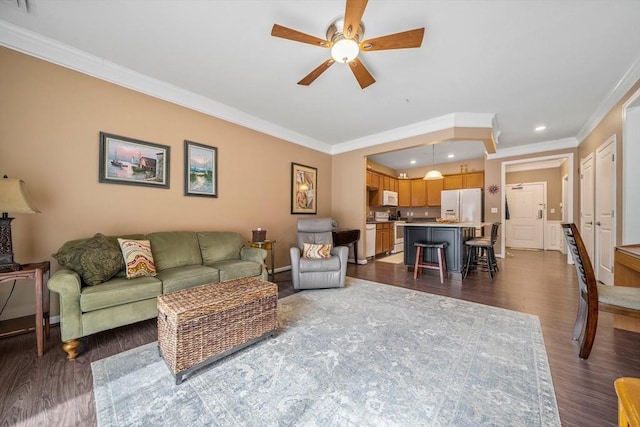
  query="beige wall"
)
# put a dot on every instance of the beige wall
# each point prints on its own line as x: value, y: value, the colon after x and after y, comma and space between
x: 552, y: 177
x: 611, y: 124
x: 50, y: 118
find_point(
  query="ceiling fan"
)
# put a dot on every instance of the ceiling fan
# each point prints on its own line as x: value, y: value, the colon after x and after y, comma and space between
x: 344, y: 38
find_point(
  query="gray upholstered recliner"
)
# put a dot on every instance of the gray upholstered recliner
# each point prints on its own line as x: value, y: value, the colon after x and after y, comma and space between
x: 308, y: 273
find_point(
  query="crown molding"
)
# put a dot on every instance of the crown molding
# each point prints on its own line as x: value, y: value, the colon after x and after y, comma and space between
x: 628, y: 79
x: 448, y: 121
x: 544, y: 164
x: 33, y: 44
x: 536, y: 148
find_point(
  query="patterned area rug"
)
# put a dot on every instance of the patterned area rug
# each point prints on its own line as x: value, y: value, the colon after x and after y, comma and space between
x: 367, y: 354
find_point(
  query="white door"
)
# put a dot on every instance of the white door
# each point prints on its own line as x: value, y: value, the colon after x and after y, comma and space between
x: 525, y: 227
x: 605, y: 194
x: 587, y: 192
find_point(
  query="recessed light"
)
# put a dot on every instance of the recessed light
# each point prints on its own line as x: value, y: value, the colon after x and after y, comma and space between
x: 540, y: 128
x: 413, y: 162
x: 451, y: 156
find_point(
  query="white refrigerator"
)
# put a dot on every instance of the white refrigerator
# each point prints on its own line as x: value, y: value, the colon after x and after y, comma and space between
x: 464, y: 205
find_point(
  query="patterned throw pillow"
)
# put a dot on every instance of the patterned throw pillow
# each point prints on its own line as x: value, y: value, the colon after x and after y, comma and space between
x: 96, y: 260
x: 316, y: 251
x: 137, y: 257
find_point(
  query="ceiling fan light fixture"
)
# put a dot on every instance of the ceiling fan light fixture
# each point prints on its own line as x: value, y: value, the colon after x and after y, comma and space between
x: 345, y: 50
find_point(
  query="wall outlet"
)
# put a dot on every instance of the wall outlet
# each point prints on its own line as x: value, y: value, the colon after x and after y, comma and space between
x: 494, y: 210
x: 553, y: 210
x: 426, y: 213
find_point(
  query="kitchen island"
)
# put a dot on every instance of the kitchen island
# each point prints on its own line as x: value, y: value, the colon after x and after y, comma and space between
x: 455, y: 234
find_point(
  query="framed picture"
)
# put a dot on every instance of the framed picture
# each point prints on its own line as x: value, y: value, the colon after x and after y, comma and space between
x: 200, y: 170
x: 304, y: 180
x: 132, y: 162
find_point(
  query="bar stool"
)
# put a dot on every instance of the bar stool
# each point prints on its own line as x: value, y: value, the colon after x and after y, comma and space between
x: 482, y: 253
x: 442, y: 261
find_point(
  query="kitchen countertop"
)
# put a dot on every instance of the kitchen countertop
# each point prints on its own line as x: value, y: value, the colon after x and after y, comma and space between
x: 445, y: 224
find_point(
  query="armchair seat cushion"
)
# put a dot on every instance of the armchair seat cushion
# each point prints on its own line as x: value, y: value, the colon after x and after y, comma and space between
x: 324, y: 264
x: 234, y: 269
x: 118, y: 291
x: 187, y: 276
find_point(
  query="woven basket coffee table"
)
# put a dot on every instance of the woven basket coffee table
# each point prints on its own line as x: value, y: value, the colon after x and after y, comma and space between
x: 200, y: 325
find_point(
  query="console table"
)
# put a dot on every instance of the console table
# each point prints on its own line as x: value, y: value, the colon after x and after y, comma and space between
x: 345, y: 237
x: 40, y: 273
x: 626, y: 272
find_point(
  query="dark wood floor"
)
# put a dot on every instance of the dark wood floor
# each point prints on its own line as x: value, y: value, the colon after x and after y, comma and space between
x: 52, y: 391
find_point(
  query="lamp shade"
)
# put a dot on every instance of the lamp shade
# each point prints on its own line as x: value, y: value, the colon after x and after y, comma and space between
x: 13, y: 197
x: 433, y: 175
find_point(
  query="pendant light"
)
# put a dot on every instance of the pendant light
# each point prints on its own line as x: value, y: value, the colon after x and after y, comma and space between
x: 433, y: 174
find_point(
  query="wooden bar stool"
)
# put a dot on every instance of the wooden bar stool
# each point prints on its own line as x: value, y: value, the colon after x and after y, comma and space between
x: 442, y: 261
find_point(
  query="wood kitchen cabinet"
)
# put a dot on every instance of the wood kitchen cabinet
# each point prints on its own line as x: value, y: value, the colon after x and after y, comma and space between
x: 384, y: 238
x: 404, y: 193
x: 418, y: 192
x: 473, y: 180
x: 373, y: 180
x: 434, y: 189
x: 463, y: 180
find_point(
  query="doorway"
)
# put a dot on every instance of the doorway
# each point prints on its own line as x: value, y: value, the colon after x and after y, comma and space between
x: 526, y: 224
x: 568, y: 157
x: 605, y: 208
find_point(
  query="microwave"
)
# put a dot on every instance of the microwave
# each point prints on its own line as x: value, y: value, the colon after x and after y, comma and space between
x: 389, y: 198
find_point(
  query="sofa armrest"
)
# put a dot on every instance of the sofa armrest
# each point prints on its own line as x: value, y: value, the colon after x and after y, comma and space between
x: 295, y: 254
x: 68, y: 284
x: 253, y: 254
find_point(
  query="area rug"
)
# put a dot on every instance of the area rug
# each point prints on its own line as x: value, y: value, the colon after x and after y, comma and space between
x: 368, y: 354
x: 393, y: 259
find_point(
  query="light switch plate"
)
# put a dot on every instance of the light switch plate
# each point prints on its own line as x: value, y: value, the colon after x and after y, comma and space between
x: 494, y: 210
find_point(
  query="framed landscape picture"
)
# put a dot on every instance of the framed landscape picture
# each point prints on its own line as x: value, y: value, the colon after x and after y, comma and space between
x: 304, y: 181
x: 200, y: 170
x: 133, y: 162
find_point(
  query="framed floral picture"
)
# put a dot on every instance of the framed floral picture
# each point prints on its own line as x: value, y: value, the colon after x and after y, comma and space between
x: 200, y: 170
x: 133, y: 162
x: 304, y: 180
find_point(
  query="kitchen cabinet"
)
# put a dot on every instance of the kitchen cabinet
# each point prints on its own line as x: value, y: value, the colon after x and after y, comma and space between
x: 418, y: 192
x: 452, y: 182
x: 463, y: 180
x: 373, y: 181
x: 394, y: 185
x: 386, y: 183
x: 384, y: 238
x: 434, y: 192
x: 473, y: 180
x: 404, y: 193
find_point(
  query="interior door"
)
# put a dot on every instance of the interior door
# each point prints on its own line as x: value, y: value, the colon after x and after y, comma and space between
x: 525, y: 227
x: 605, y: 194
x: 587, y: 208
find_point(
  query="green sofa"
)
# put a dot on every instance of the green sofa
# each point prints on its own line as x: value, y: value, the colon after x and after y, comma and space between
x: 182, y: 259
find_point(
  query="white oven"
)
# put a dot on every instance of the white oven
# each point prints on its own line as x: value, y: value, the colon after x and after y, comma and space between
x: 398, y: 236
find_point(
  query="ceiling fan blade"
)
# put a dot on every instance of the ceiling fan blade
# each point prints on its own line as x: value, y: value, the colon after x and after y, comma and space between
x: 309, y: 78
x: 352, y: 17
x: 363, y: 75
x: 297, y: 36
x: 406, y: 39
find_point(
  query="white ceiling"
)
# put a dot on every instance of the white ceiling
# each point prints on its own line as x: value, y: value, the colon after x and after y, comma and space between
x: 558, y: 63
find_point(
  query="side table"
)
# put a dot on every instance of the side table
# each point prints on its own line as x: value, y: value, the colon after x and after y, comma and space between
x: 345, y: 237
x: 40, y: 273
x: 269, y: 246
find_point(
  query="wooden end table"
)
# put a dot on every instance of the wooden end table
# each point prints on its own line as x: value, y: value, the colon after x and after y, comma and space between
x: 40, y: 273
x: 268, y: 245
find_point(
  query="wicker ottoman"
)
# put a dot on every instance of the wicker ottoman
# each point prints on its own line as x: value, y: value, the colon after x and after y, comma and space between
x: 201, y: 325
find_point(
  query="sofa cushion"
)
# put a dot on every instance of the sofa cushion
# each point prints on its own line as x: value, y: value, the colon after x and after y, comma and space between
x: 138, y: 258
x: 233, y: 269
x: 96, y: 260
x: 175, y: 279
x: 118, y: 291
x: 219, y: 246
x: 175, y: 249
x: 325, y: 264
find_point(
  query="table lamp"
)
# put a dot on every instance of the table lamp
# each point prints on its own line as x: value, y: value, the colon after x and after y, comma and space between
x: 13, y: 198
